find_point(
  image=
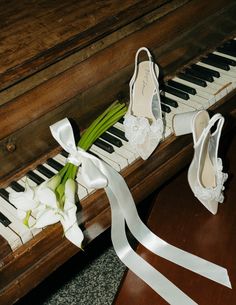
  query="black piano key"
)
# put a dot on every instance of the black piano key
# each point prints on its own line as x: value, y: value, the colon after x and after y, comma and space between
x: 215, y: 63
x: 176, y: 92
x: 4, y: 220
x: 192, y: 79
x: 45, y: 171
x: 169, y: 101
x: 54, y: 164
x: 165, y: 108
x: 118, y: 133
x: 4, y: 194
x: 16, y: 186
x: 64, y: 153
x: 34, y: 177
x: 204, y: 76
x: 121, y: 120
x: 227, y: 50
x: 95, y: 155
x: 113, y: 140
x: 206, y: 71
x: 232, y: 43
x: 182, y: 87
x: 104, y: 146
x: 222, y: 59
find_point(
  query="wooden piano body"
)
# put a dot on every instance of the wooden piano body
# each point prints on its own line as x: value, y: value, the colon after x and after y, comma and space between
x: 72, y: 59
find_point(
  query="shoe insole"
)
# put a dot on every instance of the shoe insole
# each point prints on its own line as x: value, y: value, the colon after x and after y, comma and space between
x: 144, y: 90
x: 207, y: 171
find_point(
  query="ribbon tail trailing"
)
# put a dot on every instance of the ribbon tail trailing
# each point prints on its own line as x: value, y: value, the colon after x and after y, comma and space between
x: 155, y: 244
x: 159, y: 283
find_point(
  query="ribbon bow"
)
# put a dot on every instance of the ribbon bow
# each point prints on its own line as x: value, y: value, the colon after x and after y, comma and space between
x: 98, y: 174
x: 93, y: 176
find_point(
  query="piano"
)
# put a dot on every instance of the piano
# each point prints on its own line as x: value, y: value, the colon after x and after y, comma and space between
x: 74, y: 58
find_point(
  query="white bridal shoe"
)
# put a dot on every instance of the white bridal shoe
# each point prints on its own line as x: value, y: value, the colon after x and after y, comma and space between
x: 205, y: 175
x: 143, y: 120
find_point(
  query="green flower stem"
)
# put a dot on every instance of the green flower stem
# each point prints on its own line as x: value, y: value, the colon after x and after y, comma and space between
x: 99, y: 118
x: 74, y: 172
x: 26, y: 219
x: 63, y: 170
x: 112, y: 117
x: 99, y: 121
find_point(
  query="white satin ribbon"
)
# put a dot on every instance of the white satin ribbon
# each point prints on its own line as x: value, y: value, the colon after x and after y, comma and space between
x: 98, y: 174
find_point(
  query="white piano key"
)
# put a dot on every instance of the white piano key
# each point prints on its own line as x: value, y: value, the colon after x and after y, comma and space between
x: 16, y: 225
x: 185, y: 106
x: 225, y: 82
x: 180, y: 109
x: 229, y: 78
x: 50, y: 168
x: 113, y: 156
x: 11, y: 237
x: 201, y: 91
x: 12, y: 209
x: 228, y: 75
x: 199, y: 102
x: 224, y: 55
x: 130, y: 157
x: 109, y: 161
x: 231, y: 73
x: 40, y: 175
x: 119, y: 126
x: 220, y: 91
x: 23, y: 180
x: 61, y: 159
x: 182, y: 103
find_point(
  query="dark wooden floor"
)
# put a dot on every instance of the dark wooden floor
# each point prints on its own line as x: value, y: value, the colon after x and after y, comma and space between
x: 181, y: 220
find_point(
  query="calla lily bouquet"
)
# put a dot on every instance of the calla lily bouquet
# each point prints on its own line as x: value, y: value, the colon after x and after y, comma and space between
x: 55, y: 200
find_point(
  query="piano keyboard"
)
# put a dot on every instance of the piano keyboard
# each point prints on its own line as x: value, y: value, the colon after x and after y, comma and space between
x: 198, y: 87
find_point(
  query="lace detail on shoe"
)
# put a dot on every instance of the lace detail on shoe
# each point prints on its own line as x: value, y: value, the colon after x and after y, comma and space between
x: 213, y: 193
x: 141, y: 135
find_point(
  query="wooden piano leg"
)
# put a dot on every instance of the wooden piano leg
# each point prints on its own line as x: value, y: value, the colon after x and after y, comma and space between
x: 178, y: 218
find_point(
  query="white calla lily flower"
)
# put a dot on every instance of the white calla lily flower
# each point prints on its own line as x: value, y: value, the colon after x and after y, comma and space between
x: 25, y: 202
x: 52, y: 211
x: 42, y: 200
x: 69, y: 222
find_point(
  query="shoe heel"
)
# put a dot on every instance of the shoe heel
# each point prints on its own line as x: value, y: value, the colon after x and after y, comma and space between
x: 182, y: 123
